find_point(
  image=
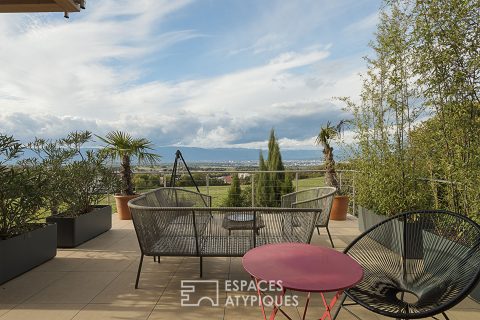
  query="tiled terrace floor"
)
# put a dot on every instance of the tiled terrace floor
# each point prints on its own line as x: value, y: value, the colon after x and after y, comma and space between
x: 95, y: 281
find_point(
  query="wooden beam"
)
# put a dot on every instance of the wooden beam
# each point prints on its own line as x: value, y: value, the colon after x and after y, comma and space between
x: 44, y: 7
x: 38, y: 6
x: 68, y: 5
x: 22, y: 2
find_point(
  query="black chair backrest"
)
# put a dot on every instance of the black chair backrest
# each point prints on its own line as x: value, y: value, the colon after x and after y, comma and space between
x: 433, y: 254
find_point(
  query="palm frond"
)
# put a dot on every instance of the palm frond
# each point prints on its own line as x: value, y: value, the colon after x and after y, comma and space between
x: 329, y: 132
x: 119, y: 144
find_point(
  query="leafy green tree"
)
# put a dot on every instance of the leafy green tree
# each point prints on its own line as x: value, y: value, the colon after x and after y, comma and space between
x: 446, y: 36
x: 419, y: 115
x: 384, y: 119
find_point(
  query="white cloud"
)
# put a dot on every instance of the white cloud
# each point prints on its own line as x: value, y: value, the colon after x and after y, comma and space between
x: 60, y: 76
x: 365, y: 24
x: 75, y: 67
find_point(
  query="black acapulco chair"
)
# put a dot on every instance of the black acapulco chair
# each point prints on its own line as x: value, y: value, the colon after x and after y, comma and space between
x: 416, y: 264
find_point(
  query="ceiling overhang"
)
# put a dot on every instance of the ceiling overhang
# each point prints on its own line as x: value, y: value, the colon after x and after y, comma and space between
x: 10, y: 6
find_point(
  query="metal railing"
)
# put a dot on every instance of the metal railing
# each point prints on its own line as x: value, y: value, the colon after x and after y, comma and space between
x: 216, y: 182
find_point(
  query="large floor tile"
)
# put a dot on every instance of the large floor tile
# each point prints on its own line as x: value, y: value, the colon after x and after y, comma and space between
x: 167, y: 312
x: 74, y: 287
x: 66, y: 263
x: 236, y: 266
x: 96, y: 281
x: 27, y: 285
x: 255, y: 312
x: 122, y: 289
x: 464, y: 314
x: 104, y: 264
x: 128, y: 243
x: 165, y: 266
x: 43, y: 312
x: 468, y: 303
x: 114, y: 312
x: 314, y: 312
x: 4, y: 308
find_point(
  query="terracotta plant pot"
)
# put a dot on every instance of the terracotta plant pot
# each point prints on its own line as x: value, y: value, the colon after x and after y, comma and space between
x: 339, y: 208
x: 122, y: 206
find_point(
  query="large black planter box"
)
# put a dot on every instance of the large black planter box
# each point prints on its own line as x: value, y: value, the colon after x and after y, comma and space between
x: 367, y: 219
x: 396, y: 230
x: 24, y: 252
x: 73, y: 231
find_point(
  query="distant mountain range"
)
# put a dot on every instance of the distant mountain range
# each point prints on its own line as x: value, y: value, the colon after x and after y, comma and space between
x: 219, y: 155
x: 192, y: 154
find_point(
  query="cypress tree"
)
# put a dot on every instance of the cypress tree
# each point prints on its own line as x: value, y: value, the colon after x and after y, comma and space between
x: 262, y: 184
x: 271, y: 186
x: 287, y: 186
x: 234, y: 198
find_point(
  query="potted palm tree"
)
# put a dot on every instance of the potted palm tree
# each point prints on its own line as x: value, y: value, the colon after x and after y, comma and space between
x: 324, y: 138
x: 122, y: 146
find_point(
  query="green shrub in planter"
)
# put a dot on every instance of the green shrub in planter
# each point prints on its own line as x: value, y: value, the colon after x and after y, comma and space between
x: 21, y: 191
x: 24, y: 243
x: 78, y: 180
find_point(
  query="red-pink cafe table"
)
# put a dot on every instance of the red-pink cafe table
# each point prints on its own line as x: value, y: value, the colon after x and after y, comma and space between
x: 302, y: 267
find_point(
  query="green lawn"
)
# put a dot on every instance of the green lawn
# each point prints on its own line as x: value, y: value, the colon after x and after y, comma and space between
x: 310, y: 183
x: 219, y: 193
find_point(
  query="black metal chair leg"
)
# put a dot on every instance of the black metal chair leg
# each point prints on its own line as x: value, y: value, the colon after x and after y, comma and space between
x: 445, y: 315
x: 154, y: 258
x: 158, y: 259
x: 318, y: 230
x: 340, y: 306
x: 331, y: 241
x: 201, y: 267
x: 139, y: 270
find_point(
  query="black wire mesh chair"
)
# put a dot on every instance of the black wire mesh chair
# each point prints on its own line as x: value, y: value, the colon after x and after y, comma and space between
x: 416, y: 264
x: 319, y: 197
x: 180, y: 222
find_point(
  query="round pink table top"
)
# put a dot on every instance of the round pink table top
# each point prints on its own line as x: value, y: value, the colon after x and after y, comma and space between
x: 303, y: 267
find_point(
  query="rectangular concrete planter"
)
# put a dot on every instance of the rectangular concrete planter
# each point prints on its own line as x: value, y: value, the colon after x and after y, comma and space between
x: 73, y: 231
x: 24, y: 252
x: 367, y: 218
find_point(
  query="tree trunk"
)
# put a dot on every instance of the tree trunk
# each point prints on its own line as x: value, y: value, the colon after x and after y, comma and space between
x: 330, y: 173
x: 126, y: 172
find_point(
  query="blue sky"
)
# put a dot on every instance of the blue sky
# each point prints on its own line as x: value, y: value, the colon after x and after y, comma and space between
x: 206, y: 73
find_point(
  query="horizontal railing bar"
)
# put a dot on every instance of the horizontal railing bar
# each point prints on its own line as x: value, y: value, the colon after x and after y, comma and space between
x: 242, y: 171
x: 225, y: 209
